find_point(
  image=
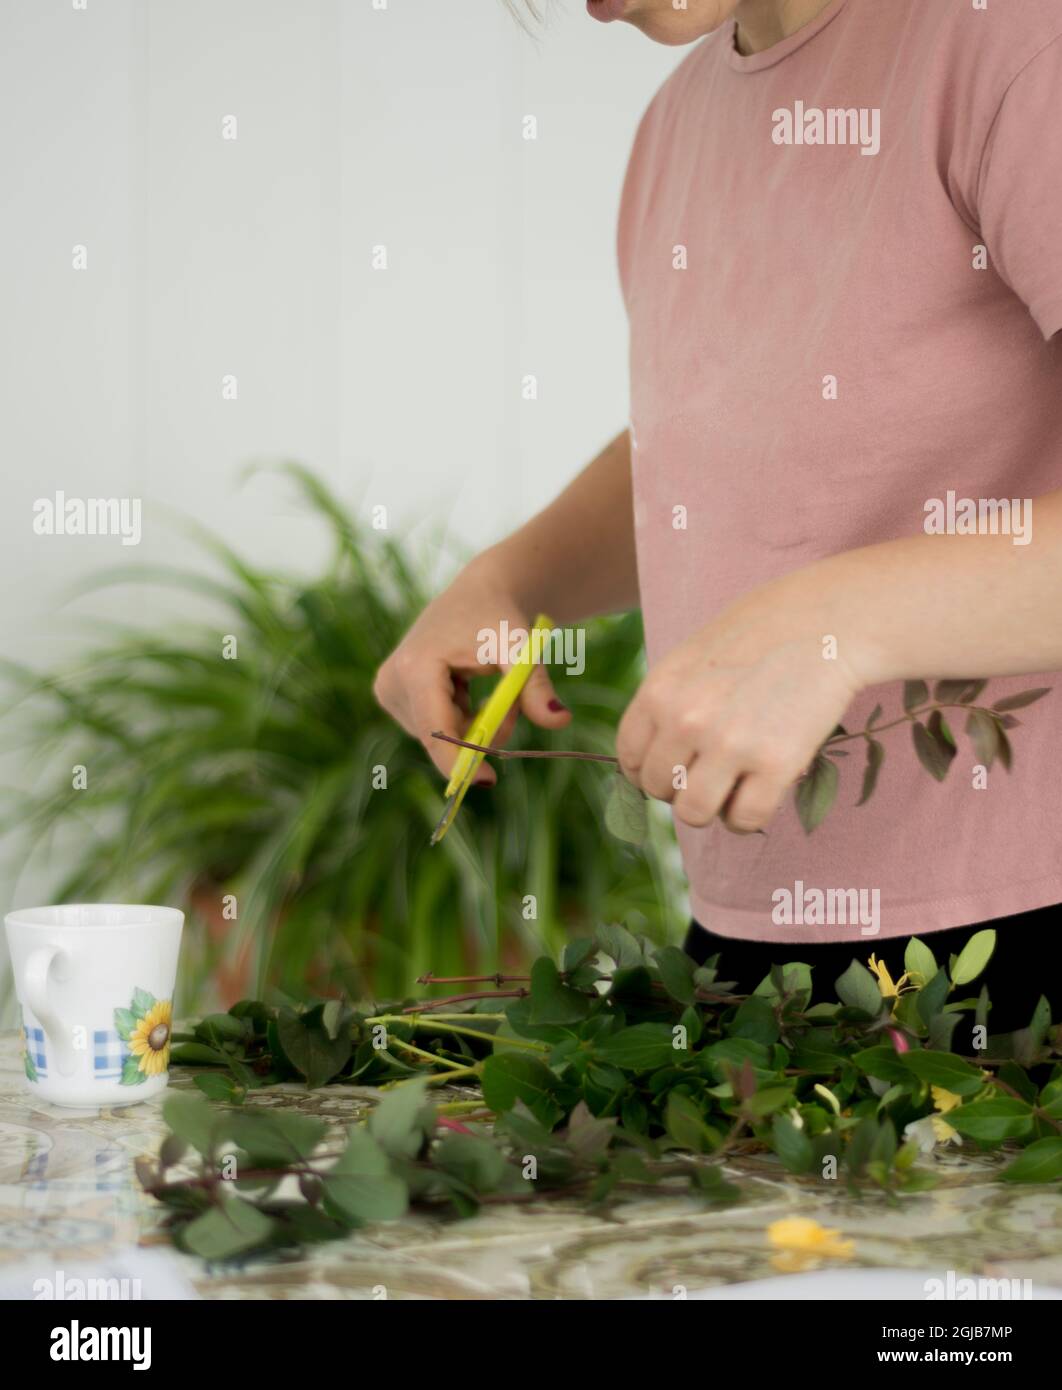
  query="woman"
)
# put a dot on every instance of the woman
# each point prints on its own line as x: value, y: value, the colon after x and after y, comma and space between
x: 840, y: 247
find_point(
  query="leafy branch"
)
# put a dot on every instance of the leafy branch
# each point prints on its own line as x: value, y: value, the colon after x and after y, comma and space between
x: 815, y: 793
x: 625, y: 1067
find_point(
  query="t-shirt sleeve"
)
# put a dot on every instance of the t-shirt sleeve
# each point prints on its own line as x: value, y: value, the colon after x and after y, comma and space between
x: 1019, y: 197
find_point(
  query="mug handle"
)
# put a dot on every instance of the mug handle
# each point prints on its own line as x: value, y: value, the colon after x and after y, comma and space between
x: 35, y: 984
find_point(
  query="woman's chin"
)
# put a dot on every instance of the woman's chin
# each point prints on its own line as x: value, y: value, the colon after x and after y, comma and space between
x: 660, y: 21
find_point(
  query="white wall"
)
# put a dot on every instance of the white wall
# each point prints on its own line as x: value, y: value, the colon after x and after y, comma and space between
x: 356, y: 126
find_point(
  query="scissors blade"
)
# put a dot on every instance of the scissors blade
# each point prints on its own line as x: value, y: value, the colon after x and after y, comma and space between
x: 449, y: 812
x: 485, y: 726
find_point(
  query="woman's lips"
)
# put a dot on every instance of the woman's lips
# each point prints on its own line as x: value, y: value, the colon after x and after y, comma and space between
x: 606, y: 10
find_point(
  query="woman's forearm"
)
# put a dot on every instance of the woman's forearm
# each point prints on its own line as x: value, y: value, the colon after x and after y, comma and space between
x: 940, y: 605
x: 576, y: 558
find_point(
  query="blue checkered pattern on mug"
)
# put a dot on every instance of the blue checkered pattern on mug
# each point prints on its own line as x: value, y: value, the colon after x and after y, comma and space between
x: 108, y: 1054
x: 35, y: 1048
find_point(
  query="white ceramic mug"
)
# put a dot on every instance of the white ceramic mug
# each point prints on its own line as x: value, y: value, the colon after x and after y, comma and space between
x: 95, y: 986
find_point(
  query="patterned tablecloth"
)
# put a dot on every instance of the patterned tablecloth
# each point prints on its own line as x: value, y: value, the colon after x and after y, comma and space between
x: 68, y: 1194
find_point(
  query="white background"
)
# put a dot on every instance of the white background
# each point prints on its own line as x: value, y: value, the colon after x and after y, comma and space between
x: 357, y: 127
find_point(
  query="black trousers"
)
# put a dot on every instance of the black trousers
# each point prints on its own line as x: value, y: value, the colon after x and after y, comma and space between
x: 1026, y: 963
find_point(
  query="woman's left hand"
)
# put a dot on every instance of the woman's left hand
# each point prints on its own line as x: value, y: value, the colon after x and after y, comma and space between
x: 735, y: 715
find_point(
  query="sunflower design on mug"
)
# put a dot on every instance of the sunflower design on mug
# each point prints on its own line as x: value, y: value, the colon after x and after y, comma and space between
x: 146, y: 1029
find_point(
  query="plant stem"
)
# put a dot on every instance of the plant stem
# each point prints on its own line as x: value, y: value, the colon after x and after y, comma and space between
x: 498, y: 980
x: 428, y: 1056
x: 431, y: 1004
x: 526, y: 752
x: 444, y: 1078
x: 908, y: 718
x: 457, y: 1028
x: 494, y: 1018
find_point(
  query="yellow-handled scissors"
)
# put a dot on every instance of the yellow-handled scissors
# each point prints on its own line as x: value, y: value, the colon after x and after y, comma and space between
x: 488, y: 721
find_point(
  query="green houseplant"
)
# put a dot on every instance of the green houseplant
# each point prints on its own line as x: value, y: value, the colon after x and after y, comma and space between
x: 237, y: 779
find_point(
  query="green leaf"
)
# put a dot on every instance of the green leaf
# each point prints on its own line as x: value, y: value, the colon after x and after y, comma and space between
x: 640, y: 1048
x: 334, y: 1017
x: 473, y: 1161
x: 143, y: 1002
x: 626, y: 812
x: 1027, y: 697
x: 229, y: 1229
x: 694, y: 1025
x: 198, y: 1055
x: 577, y: 951
x: 171, y: 1150
x: 618, y: 943
x: 930, y: 999
x: 552, y: 1001
x: 794, y: 977
x: 915, y: 693
x: 710, y: 1184
x: 685, y: 1123
x: 587, y: 1136
x: 361, y: 1186
x: 985, y: 735
x: 861, y: 1144
x: 131, y: 1073
x: 676, y: 972
x: 518, y: 1025
x: 883, y: 1062
x: 307, y: 1045
x: 974, y: 956
x: 941, y: 1028
x: 943, y: 1069
x: 124, y: 1023
x: 192, y: 1119
x: 992, y: 1121
x: 858, y: 989
x: 1004, y: 751
x: 219, y: 1028
x: 755, y: 1018
x: 791, y: 1145
x: 1027, y: 1042
x: 275, y: 1138
x: 875, y: 759
x: 734, y: 1052
x: 918, y: 959
x: 510, y: 1076
x: 219, y: 1086
x: 1040, y: 1162
x: 934, y: 754
x: 816, y: 793
x: 972, y: 691
x: 399, y: 1123
x: 939, y: 727
x: 766, y: 1102
x: 958, y: 691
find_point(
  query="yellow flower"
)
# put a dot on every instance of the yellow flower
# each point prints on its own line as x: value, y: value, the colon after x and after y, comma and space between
x: 932, y: 1130
x: 802, y: 1243
x: 888, y: 989
x: 944, y: 1100
x: 943, y: 1132
x: 150, y: 1039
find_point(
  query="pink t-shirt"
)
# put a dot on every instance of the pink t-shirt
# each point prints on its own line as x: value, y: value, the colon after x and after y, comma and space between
x: 842, y: 263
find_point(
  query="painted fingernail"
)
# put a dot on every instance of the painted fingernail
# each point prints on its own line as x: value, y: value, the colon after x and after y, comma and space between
x: 482, y: 782
x: 556, y: 706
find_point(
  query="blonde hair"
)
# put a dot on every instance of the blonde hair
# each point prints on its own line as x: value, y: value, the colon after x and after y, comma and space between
x: 527, y: 7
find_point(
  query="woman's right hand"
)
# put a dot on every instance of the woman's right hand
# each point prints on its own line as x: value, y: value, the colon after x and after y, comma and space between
x: 423, y: 684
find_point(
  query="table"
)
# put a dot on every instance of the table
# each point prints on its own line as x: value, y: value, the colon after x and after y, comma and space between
x: 68, y: 1193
